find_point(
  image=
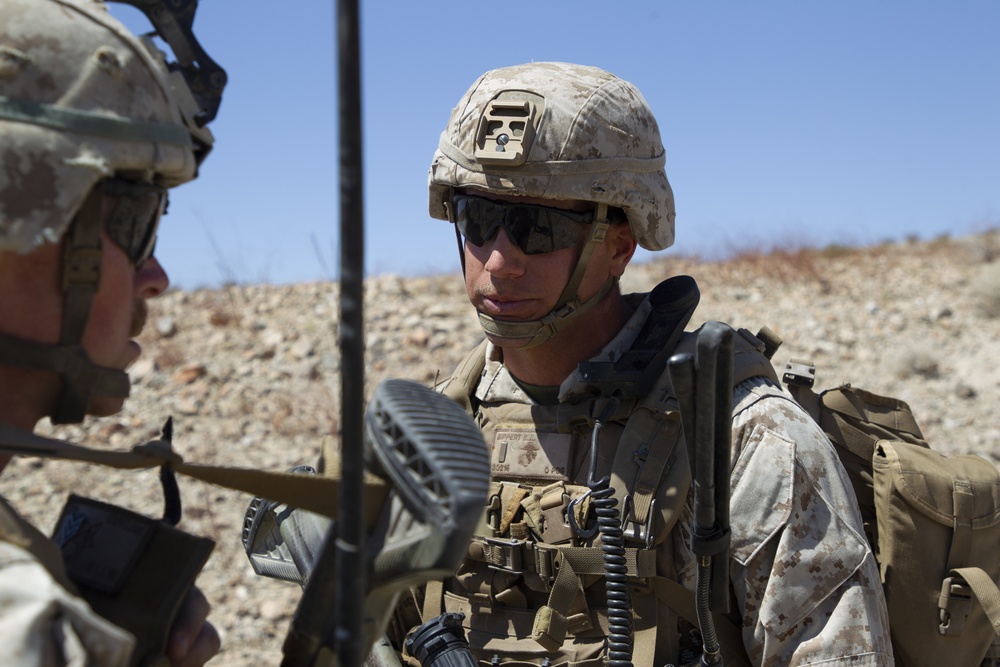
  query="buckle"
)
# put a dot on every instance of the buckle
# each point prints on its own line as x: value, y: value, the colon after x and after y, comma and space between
x: 82, y: 267
x: 634, y: 531
x: 505, y: 555
x: 799, y: 373
x: 544, y: 557
x: 954, y: 605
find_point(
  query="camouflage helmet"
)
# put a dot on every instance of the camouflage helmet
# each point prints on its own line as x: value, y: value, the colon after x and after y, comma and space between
x: 87, y: 110
x: 558, y: 131
x: 81, y: 99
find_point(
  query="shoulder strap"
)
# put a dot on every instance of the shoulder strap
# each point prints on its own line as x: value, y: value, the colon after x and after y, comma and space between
x: 315, y: 493
x: 749, y: 356
x: 461, y: 386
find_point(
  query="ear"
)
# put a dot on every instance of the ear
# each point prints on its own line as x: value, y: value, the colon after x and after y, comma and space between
x: 621, y: 246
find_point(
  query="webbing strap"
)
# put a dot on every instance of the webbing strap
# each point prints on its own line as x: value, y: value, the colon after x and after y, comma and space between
x: 644, y: 628
x: 964, y: 507
x: 639, y: 563
x: 433, y: 600
x: 986, y: 592
x: 551, y: 622
x: 315, y: 493
x: 658, y: 454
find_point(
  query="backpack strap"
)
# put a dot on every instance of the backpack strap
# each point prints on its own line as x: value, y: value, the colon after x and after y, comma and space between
x: 984, y: 588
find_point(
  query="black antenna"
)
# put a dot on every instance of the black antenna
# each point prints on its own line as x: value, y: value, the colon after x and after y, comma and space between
x: 350, y: 541
x: 330, y: 612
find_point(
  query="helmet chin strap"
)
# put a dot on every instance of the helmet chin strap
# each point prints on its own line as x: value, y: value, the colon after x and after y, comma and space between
x: 81, y: 274
x: 568, y: 307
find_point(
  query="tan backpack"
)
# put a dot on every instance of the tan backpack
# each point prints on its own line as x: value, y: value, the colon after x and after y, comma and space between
x: 933, y: 521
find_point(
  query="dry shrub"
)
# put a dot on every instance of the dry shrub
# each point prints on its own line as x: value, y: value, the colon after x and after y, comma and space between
x: 784, y: 265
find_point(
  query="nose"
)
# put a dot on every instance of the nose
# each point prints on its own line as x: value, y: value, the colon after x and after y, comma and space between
x: 151, y: 279
x: 505, y: 257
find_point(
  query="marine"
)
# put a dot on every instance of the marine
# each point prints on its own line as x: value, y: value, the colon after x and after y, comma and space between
x: 552, y: 174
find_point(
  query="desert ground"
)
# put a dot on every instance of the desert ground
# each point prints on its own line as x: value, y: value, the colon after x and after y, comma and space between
x: 251, y: 376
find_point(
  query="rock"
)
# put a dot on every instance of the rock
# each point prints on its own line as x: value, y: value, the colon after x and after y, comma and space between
x: 189, y: 373
x: 166, y: 327
x: 251, y: 376
x: 138, y: 371
x: 965, y: 391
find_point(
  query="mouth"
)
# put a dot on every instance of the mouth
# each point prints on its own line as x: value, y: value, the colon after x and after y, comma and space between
x: 504, y: 306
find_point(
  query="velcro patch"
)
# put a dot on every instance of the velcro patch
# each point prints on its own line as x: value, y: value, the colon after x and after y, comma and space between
x: 527, y: 454
x: 100, y: 542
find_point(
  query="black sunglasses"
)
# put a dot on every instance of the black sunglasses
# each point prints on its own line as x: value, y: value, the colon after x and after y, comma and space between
x: 133, y: 223
x: 533, y: 228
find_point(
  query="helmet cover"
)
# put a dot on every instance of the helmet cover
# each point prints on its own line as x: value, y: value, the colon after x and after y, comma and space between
x: 558, y: 131
x: 81, y: 99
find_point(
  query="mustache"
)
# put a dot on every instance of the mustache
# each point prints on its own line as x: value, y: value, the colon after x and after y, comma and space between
x: 140, y: 313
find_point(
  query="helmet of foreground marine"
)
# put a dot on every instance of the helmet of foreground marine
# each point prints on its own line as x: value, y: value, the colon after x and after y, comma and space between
x: 557, y: 131
x: 81, y: 100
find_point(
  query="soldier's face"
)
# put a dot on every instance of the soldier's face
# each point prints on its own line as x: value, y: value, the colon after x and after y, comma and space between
x: 31, y: 305
x: 509, y: 285
x: 118, y: 314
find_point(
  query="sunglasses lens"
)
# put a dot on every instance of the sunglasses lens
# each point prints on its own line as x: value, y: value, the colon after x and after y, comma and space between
x: 534, y: 229
x: 136, y: 216
x: 478, y: 219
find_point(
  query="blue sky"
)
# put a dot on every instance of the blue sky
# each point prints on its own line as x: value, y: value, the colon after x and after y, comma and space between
x: 785, y: 122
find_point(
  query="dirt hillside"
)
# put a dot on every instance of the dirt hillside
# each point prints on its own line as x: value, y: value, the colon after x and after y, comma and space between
x: 251, y: 377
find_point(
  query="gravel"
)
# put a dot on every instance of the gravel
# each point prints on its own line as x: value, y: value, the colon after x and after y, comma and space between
x: 251, y: 376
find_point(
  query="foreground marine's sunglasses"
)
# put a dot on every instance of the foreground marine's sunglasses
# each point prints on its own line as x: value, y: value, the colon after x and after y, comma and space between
x: 533, y: 228
x: 136, y: 216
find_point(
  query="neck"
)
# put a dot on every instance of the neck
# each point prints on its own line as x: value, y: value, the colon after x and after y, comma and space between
x: 551, y: 362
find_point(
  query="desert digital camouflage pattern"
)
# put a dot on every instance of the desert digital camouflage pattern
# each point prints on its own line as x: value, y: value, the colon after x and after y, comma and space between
x: 43, y: 623
x: 806, y: 582
x: 593, y: 137
x: 80, y: 99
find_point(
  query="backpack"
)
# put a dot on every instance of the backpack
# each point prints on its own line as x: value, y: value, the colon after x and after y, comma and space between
x: 932, y: 521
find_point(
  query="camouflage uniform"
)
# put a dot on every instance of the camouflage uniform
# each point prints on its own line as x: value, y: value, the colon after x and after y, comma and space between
x: 82, y: 100
x: 806, y: 583
x: 43, y: 622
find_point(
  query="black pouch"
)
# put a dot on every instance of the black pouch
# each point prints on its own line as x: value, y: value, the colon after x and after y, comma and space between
x: 133, y: 570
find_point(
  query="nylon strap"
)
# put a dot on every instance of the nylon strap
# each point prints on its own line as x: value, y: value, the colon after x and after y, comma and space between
x: 433, y: 600
x: 92, y: 123
x: 315, y: 493
x: 80, y: 278
x: 644, y: 629
x: 642, y: 474
x: 963, y: 511
x: 986, y: 592
x: 551, y: 623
